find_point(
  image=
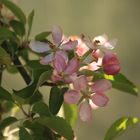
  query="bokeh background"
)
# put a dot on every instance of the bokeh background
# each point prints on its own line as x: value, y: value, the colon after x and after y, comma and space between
x: 118, y: 19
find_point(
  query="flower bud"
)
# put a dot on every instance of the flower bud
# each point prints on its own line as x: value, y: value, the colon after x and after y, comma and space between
x: 111, y: 64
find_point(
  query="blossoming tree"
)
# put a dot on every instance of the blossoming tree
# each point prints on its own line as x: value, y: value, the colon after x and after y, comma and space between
x: 78, y: 69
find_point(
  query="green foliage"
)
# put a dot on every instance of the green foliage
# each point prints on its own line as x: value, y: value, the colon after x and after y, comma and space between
x: 24, y: 134
x: 59, y: 125
x: 56, y: 99
x: 18, y: 27
x: 120, y: 126
x: 7, y: 121
x: 15, y: 9
x: 42, y: 36
x: 121, y: 83
x: 70, y: 112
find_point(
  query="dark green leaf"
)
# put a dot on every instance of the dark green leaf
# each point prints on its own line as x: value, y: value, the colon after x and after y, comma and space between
x: 24, y: 134
x: 4, y: 57
x: 42, y: 109
x: 15, y: 9
x: 18, y: 27
x: 56, y: 99
x: 121, y: 83
x: 42, y: 36
x: 7, y: 121
x: 70, y: 112
x: 30, y: 21
x: 5, y: 95
x: 6, y: 34
x: 59, y: 125
x: 120, y: 126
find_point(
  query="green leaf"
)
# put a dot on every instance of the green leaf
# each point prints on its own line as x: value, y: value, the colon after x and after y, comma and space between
x: 120, y: 126
x: 30, y: 22
x: 56, y: 99
x: 18, y: 27
x: 7, y: 121
x: 5, y: 95
x: 59, y: 125
x: 42, y: 109
x: 70, y: 112
x: 7, y: 34
x: 42, y: 36
x: 15, y: 9
x: 35, y: 65
x: 121, y: 83
x: 4, y: 57
x: 24, y: 134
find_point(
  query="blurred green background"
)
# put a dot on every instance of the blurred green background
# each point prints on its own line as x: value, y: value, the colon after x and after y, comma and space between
x: 118, y: 19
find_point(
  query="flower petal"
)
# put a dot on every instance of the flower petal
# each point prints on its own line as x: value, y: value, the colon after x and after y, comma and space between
x: 85, y: 112
x: 70, y: 45
x: 57, y: 34
x: 100, y: 99
x: 39, y: 47
x: 80, y: 83
x: 101, y: 86
x: 47, y: 59
x: 59, y: 63
x: 72, y: 97
x: 72, y: 66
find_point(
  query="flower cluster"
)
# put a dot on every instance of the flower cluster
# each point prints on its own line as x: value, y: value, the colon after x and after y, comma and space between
x: 69, y: 57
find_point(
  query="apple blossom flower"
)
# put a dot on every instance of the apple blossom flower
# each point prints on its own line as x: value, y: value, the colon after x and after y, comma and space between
x: 58, y: 45
x: 64, y: 70
x: 82, y: 90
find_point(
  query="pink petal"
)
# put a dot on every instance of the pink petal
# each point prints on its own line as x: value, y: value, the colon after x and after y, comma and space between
x: 63, y: 54
x: 56, y: 77
x: 100, y: 99
x: 80, y: 83
x: 72, y: 66
x: 59, y: 63
x: 85, y: 112
x: 70, y: 45
x: 47, y: 59
x: 39, y: 47
x: 101, y: 86
x: 69, y: 78
x: 57, y: 34
x: 72, y: 97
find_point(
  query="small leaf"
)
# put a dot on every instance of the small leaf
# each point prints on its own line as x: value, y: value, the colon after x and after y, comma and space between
x: 30, y: 21
x: 5, y: 95
x: 42, y: 109
x: 7, y: 121
x: 6, y: 34
x: 42, y: 36
x: 56, y: 99
x: 24, y: 134
x: 70, y: 112
x: 59, y: 125
x: 18, y: 27
x: 120, y: 126
x: 121, y: 83
x: 15, y: 9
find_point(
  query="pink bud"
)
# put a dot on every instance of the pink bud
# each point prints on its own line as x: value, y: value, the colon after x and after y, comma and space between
x: 111, y: 64
x: 72, y: 97
x: 99, y: 99
x: 57, y: 34
x: 39, y: 47
x: 72, y: 66
x: 85, y: 112
x: 101, y: 86
x: 80, y: 83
